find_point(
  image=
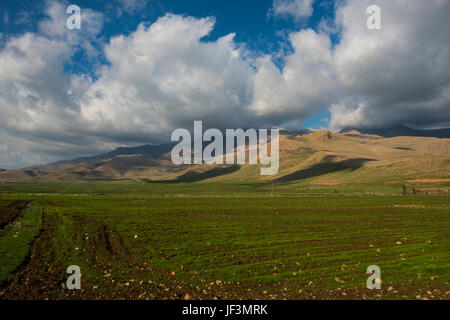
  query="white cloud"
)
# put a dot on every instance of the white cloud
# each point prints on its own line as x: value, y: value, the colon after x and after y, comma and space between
x: 299, y: 9
x: 54, y: 27
x: 39, y: 105
x: 171, y: 78
x: 168, y: 79
x: 305, y: 82
x: 399, y: 73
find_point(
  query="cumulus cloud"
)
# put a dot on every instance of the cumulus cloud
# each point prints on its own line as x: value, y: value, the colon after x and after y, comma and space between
x: 53, y: 26
x: 399, y: 74
x: 304, y: 83
x: 298, y: 9
x: 38, y: 100
x: 169, y: 79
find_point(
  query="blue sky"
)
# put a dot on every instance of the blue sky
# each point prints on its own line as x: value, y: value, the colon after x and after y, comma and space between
x: 138, y: 69
x: 249, y: 19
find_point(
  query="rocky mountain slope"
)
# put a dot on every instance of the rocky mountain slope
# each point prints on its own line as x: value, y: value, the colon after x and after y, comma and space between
x: 318, y: 157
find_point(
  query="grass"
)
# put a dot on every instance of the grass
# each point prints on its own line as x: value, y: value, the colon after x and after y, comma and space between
x: 148, y: 240
x: 255, y: 188
x: 15, y: 241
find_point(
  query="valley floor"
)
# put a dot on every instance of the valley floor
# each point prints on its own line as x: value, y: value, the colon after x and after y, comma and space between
x: 212, y: 245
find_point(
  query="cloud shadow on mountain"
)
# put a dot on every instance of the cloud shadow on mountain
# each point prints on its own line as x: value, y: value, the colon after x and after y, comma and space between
x: 326, y: 166
x: 193, y: 176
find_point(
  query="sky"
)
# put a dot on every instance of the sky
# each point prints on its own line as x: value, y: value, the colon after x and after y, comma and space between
x: 138, y: 69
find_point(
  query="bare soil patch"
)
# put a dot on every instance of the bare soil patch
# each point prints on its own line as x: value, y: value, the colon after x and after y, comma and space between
x: 429, y: 180
x: 12, y: 211
x: 327, y: 183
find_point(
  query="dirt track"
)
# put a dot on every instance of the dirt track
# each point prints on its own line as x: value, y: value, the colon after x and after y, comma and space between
x: 110, y: 271
x: 9, y: 213
x: 42, y: 276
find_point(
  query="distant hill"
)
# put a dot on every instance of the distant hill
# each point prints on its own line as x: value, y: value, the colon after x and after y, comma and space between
x: 153, y: 151
x: 401, y: 131
x: 320, y: 157
x: 305, y: 131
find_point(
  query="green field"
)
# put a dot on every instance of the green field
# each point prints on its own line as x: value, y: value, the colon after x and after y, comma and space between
x: 137, y: 240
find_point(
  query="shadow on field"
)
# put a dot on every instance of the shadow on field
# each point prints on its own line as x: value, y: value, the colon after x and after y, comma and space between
x: 325, y: 167
x: 193, y: 176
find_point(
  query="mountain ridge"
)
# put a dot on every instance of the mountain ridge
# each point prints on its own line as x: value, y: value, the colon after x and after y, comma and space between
x: 318, y: 157
x: 401, y: 130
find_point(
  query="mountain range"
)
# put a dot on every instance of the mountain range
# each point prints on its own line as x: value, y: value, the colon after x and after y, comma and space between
x: 401, y: 130
x: 320, y: 157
